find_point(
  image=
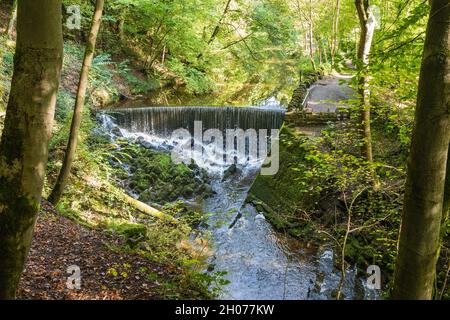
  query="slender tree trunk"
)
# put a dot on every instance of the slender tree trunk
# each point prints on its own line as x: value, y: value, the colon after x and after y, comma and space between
x: 325, y: 53
x: 28, y: 124
x: 446, y: 206
x: 311, y: 37
x: 335, y: 40
x: 79, y: 104
x: 121, y: 27
x: 425, y: 186
x: 217, y: 28
x: 446, y: 203
x: 306, y: 43
x: 12, y: 21
x: 319, y: 50
x: 367, y: 23
x: 163, y: 58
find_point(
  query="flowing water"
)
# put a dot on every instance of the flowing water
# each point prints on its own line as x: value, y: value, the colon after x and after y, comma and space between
x: 259, y: 262
x: 163, y: 121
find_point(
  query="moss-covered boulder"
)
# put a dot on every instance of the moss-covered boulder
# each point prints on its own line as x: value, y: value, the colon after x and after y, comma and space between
x: 156, y: 179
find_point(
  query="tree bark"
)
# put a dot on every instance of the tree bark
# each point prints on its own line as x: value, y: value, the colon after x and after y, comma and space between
x: 12, y: 21
x: 217, y: 28
x: 446, y: 202
x: 28, y: 125
x: 79, y: 105
x: 335, y: 41
x: 367, y: 24
x: 311, y: 37
x: 424, y: 194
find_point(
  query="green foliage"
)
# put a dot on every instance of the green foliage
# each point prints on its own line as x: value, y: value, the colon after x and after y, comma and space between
x: 138, y: 85
x: 132, y: 232
x: 6, y: 69
x: 93, y: 200
x: 196, y: 81
x: 65, y: 103
x: 282, y: 196
x: 332, y: 167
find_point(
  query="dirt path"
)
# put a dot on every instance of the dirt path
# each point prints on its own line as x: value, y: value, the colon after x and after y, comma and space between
x: 325, y: 95
x: 105, y: 274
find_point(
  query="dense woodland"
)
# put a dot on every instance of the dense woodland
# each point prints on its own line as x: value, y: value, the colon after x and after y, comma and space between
x: 374, y: 187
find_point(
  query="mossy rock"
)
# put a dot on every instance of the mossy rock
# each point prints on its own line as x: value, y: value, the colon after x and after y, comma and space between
x: 132, y: 232
x: 280, y: 196
x: 157, y: 179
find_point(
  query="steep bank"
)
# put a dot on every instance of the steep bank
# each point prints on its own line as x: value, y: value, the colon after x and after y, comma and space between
x: 107, y: 273
x: 285, y: 197
x: 323, y: 193
x: 280, y: 196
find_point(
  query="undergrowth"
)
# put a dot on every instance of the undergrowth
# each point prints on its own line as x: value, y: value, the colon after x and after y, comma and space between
x: 323, y: 193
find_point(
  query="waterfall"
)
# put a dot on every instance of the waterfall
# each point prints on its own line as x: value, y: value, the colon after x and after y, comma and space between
x: 164, y: 120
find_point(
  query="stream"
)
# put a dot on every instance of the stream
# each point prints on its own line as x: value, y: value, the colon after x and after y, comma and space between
x: 260, y: 263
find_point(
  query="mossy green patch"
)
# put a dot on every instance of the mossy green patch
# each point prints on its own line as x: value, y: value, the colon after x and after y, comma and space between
x: 155, y: 178
x: 282, y: 197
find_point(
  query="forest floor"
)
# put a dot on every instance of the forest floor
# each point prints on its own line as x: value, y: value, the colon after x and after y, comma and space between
x: 105, y: 273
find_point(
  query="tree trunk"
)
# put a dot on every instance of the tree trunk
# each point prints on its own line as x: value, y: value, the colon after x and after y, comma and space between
x: 79, y: 104
x: 424, y: 194
x: 121, y: 29
x: 28, y: 125
x: 319, y: 50
x: 217, y: 28
x: 446, y: 206
x: 367, y: 24
x: 446, y: 203
x: 12, y: 21
x: 311, y: 37
x: 335, y: 41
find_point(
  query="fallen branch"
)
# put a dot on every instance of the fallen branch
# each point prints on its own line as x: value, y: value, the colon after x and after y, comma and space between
x: 147, y: 209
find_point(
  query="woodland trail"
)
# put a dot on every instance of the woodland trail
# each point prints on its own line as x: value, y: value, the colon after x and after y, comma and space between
x: 106, y: 274
x: 324, y: 95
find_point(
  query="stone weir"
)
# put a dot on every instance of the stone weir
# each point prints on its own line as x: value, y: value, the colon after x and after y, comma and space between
x: 164, y: 120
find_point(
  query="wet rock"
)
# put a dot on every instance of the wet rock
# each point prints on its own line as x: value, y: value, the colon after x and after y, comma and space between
x: 230, y: 172
x: 117, y: 132
x: 143, y: 142
x: 193, y: 166
x: 155, y: 178
x: 101, y: 98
